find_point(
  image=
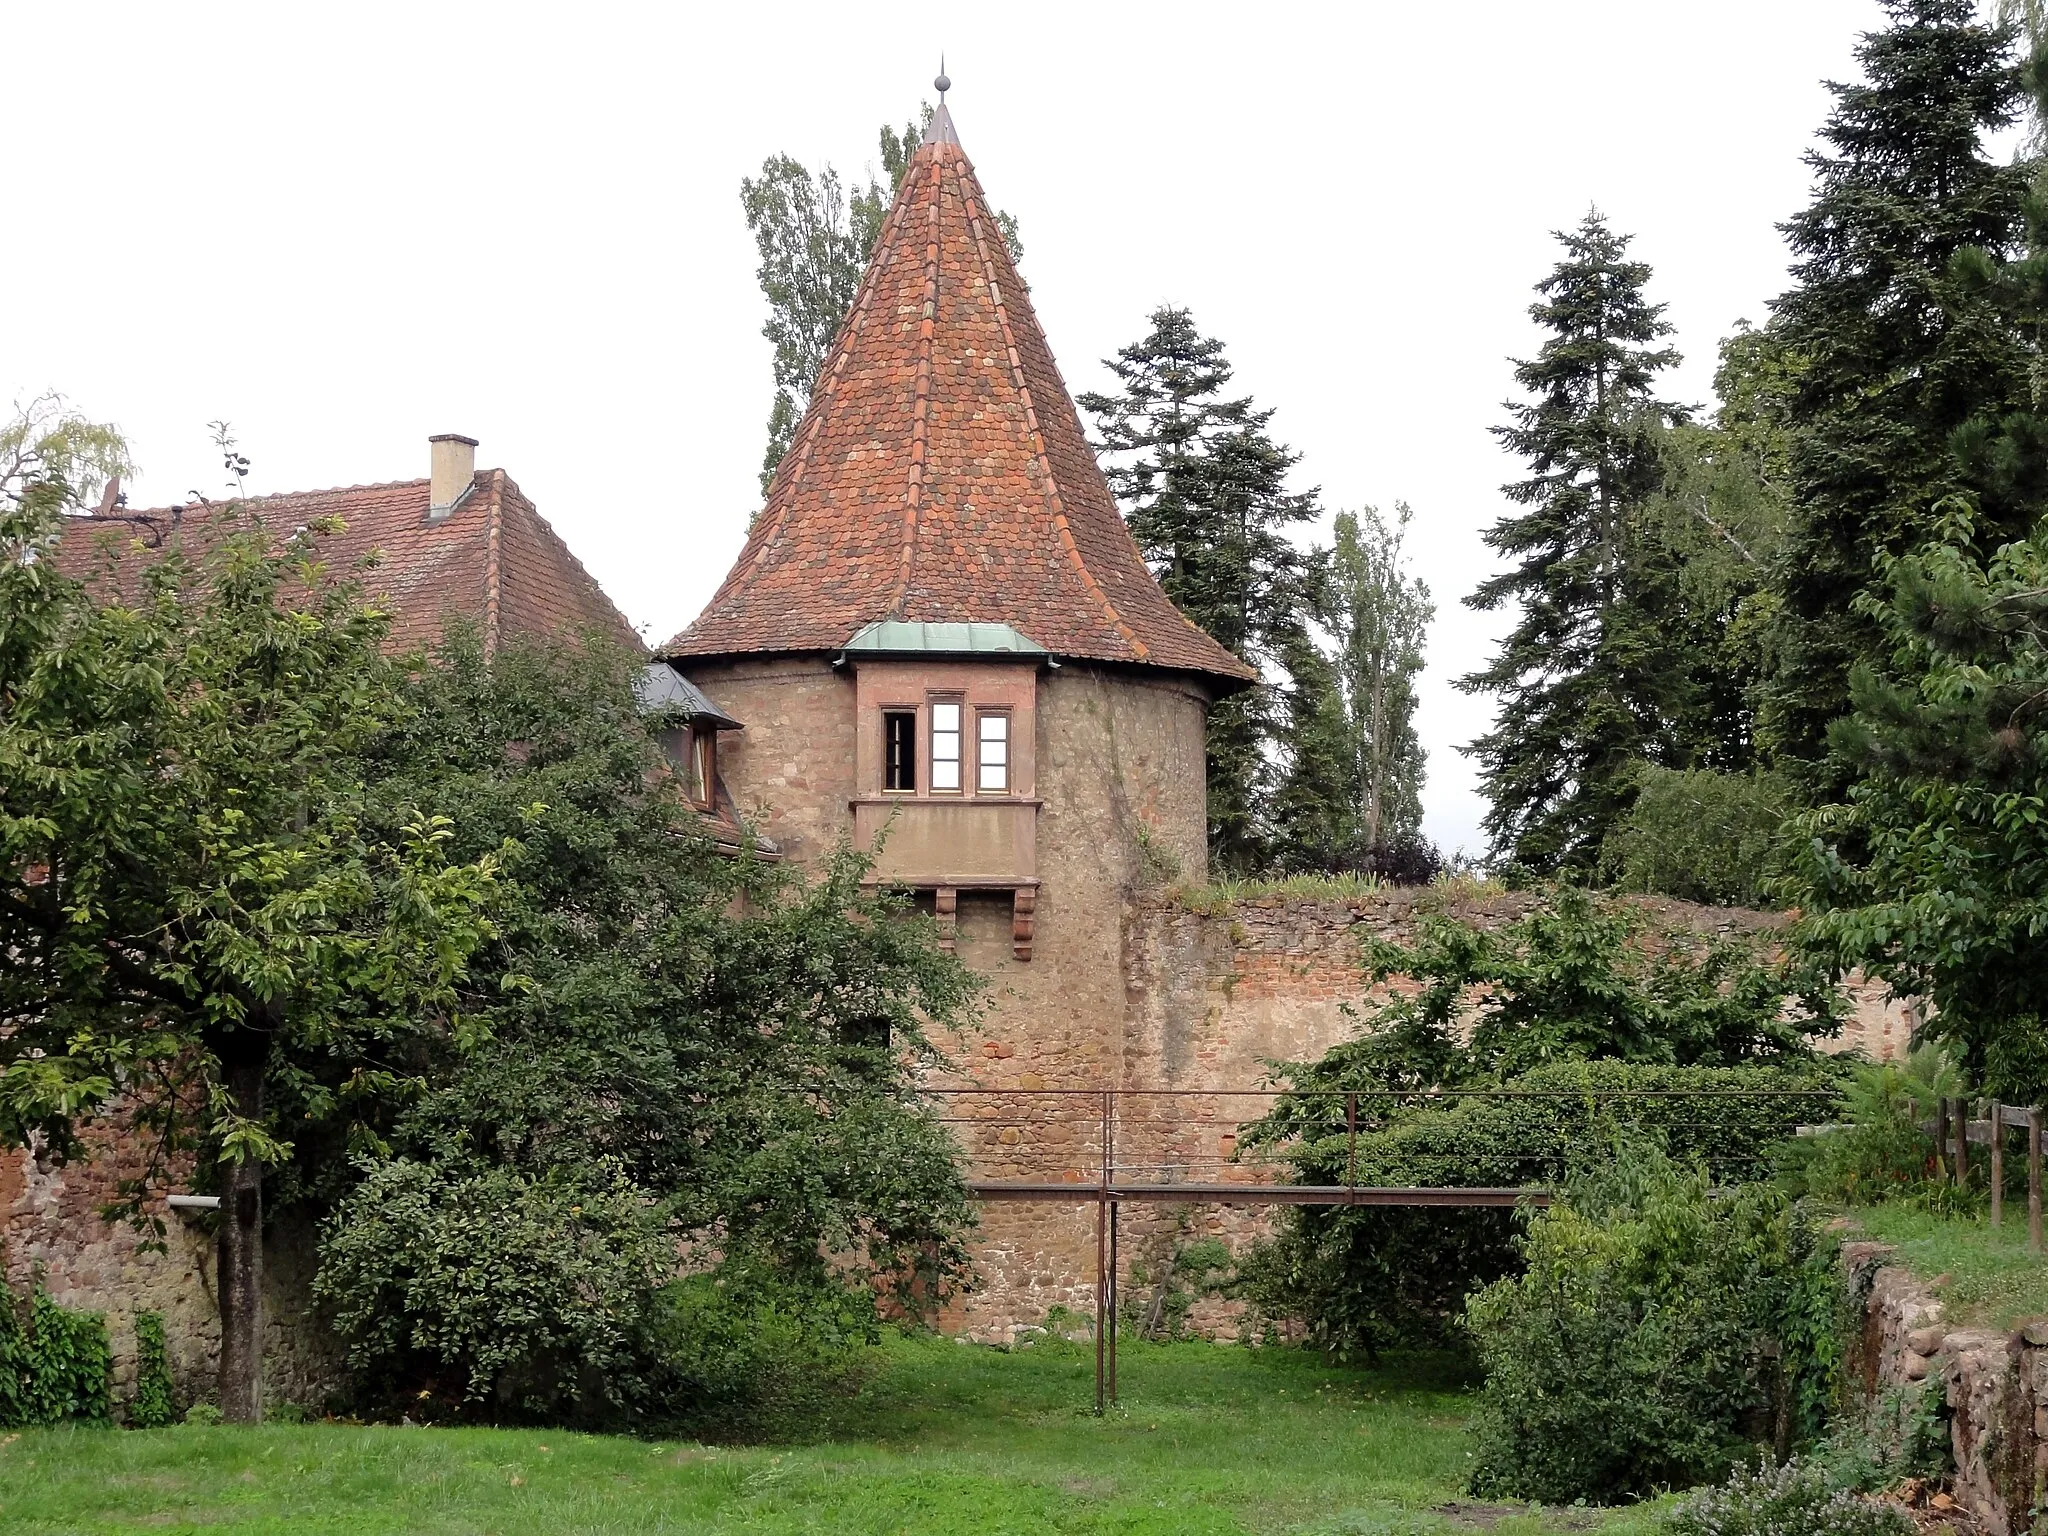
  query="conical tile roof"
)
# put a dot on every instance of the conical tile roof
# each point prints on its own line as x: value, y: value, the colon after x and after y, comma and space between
x: 940, y: 474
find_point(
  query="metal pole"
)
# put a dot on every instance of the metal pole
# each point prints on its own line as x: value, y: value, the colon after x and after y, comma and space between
x: 1351, y: 1141
x: 1101, y: 1256
x: 1997, y: 1163
x: 1112, y: 1300
x: 2034, y: 1179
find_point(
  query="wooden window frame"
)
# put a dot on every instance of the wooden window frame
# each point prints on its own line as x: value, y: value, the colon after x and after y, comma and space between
x: 704, y: 767
x: 933, y: 704
x: 1008, y: 716
x: 910, y: 712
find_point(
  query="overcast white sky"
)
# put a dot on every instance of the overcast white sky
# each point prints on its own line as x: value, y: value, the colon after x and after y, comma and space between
x: 345, y: 227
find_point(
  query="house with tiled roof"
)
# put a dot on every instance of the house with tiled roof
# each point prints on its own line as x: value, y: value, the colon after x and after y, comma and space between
x: 462, y: 544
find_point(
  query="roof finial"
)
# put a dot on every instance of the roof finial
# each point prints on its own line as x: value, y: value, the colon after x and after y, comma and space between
x: 942, y: 84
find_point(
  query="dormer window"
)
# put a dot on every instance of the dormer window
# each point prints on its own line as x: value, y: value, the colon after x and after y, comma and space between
x: 946, y: 746
x: 703, y: 766
x: 899, y: 742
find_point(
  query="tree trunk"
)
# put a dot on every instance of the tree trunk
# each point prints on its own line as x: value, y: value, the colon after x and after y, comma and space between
x: 241, y: 1250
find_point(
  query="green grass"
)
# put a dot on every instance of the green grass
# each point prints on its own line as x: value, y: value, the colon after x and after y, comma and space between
x: 948, y: 1438
x: 1986, y: 1278
x: 1218, y: 896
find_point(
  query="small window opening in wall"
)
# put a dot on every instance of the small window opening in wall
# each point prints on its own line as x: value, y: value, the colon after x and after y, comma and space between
x: 992, y: 774
x: 945, y: 746
x: 703, y: 766
x: 899, y: 738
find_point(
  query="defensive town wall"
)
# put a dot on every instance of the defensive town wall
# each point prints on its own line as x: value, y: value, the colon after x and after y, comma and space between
x: 1214, y: 992
x: 1129, y: 986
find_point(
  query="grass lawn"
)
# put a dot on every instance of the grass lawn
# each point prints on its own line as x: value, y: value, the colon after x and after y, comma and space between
x: 1985, y: 1277
x: 948, y: 1438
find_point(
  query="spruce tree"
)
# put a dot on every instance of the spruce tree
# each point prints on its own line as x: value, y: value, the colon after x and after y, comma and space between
x: 1204, y: 490
x: 1899, y: 343
x: 1585, y: 679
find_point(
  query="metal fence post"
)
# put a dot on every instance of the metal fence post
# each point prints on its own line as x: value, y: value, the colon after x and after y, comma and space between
x: 1101, y: 1253
x: 1351, y: 1141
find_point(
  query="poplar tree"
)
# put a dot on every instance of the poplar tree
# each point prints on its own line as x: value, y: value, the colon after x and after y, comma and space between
x: 1900, y: 342
x: 1204, y: 489
x: 1585, y: 678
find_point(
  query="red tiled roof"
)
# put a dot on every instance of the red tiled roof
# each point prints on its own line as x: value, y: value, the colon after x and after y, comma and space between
x: 493, y: 560
x: 941, y: 473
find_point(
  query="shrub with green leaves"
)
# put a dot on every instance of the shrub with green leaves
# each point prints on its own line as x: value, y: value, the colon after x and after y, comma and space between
x: 1655, y: 1332
x: 55, y: 1365
x: 748, y: 1352
x: 152, y: 1406
x: 1792, y: 1500
x: 486, y: 1291
x: 1878, y: 1151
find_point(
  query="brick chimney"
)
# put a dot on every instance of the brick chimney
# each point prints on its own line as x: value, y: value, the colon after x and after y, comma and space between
x: 454, y: 467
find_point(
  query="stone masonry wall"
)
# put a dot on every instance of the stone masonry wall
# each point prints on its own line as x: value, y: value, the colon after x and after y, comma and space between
x: 1994, y: 1383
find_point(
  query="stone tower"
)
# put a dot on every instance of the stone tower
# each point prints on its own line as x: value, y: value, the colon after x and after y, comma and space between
x: 940, y: 630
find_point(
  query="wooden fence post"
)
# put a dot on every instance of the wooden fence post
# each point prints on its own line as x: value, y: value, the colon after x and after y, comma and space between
x: 1962, y: 1124
x: 1997, y: 1163
x: 1940, y: 1140
x: 2034, y: 1178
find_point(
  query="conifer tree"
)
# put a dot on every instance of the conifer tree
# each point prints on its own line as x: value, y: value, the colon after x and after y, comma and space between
x: 1585, y: 678
x: 1204, y: 490
x: 1899, y: 343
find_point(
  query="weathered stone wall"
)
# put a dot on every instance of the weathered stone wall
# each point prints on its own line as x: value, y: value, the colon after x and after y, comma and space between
x: 1995, y: 1384
x: 53, y: 1235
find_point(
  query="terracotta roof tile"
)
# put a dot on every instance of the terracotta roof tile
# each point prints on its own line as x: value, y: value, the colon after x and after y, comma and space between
x: 493, y: 560
x: 940, y: 473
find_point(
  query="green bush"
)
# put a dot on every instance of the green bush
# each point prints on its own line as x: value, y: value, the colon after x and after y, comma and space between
x: 487, y: 1292
x: 747, y: 1353
x: 1701, y: 836
x: 151, y: 1407
x: 1878, y: 1152
x: 1792, y: 1500
x: 55, y: 1366
x: 1655, y: 1333
x: 1362, y: 1278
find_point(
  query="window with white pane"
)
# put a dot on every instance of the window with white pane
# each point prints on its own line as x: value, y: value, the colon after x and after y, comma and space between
x: 992, y: 758
x: 945, y: 746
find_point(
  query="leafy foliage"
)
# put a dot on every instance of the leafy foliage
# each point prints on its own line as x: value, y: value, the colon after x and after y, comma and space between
x: 1350, y: 797
x: 1652, y: 1326
x: 153, y: 1405
x: 55, y: 1364
x: 1797, y: 1496
x: 1932, y: 875
x: 1879, y: 1151
x: 683, y: 1048
x: 492, y: 1287
x: 1580, y: 1026
x: 189, y: 890
x: 1701, y: 835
